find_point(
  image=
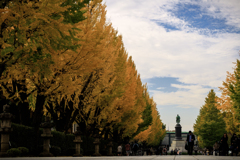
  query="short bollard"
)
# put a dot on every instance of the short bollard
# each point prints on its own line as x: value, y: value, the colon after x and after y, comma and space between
x: 78, y: 142
x: 5, y: 129
x: 47, y: 125
x: 145, y: 153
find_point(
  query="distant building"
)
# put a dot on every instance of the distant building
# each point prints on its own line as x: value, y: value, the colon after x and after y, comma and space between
x: 74, y: 127
x: 167, y: 140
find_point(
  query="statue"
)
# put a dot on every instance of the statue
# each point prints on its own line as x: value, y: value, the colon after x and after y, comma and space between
x: 178, y: 119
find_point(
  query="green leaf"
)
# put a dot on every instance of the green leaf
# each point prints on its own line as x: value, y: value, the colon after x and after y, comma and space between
x: 7, y: 50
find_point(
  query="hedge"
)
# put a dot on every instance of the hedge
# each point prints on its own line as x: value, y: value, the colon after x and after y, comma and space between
x: 24, y: 136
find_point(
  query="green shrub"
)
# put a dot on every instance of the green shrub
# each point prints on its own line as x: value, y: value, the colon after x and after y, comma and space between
x: 24, y: 151
x: 14, y: 152
x: 55, y: 150
x: 184, y: 153
x: 63, y: 141
x: 88, y: 146
x: 104, y: 152
x: 25, y: 136
x: 70, y: 151
x: 38, y: 150
x: 89, y: 152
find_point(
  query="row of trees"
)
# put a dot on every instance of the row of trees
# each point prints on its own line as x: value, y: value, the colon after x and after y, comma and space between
x: 220, y: 115
x: 62, y: 58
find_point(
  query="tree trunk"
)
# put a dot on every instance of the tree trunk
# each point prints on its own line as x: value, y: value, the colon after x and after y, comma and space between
x: 83, y: 128
x: 106, y: 134
x: 115, y: 135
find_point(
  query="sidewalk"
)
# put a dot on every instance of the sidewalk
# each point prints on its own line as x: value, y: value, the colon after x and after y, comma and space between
x: 182, y: 157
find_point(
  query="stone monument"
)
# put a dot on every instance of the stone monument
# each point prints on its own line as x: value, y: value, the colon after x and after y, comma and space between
x: 78, y: 142
x: 47, y: 125
x: 5, y: 129
x: 178, y: 142
x: 110, y: 145
x: 97, y: 142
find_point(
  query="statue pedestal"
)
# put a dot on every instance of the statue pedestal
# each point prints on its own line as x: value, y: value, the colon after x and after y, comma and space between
x: 178, y: 132
x: 178, y: 142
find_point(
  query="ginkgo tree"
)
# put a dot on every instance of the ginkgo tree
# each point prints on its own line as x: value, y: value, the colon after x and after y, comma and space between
x: 32, y: 31
x: 131, y: 104
x: 229, y: 100
x: 91, y: 82
x: 151, y: 130
x: 48, y: 32
x: 39, y: 46
x: 82, y: 73
x: 210, y: 125
x: 147, y: 113
x: 68, y: 62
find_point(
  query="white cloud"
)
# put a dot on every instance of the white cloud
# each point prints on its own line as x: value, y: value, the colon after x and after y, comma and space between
x: 161, y: 88
x: 222, y: 9
x: 192, y: 97
x: 194, y: 58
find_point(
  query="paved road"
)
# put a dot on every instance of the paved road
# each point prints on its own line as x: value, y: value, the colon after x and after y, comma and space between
x: 182, y: 157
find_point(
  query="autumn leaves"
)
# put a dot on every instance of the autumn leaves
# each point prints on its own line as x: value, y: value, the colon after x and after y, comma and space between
x: 66, y: 61
x: 229, y: 103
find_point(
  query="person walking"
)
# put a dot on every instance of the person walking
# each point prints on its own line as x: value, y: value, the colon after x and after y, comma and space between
x: 175, y: 151
x: 233, y: 137
x: 119, y: 149
x: 190, y: 141
x: 195, y: 148
x: 216, y: 147
x: 135, y: 148
x: 224, y: 144
x: 128, y: 149
x: 152, y: 151
x: 164, y: 151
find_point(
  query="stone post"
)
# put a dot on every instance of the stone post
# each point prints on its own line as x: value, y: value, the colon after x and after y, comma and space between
x: 97, y: 142
x: 47, y: 125
x: 5, y: 129
x: 78, y: 141
x: 110, y: 145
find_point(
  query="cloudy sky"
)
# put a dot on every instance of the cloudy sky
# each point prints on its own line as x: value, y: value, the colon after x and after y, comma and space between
x: 182, y: 49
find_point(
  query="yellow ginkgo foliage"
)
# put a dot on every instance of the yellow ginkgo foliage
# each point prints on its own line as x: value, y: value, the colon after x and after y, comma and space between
x: 225, y: 105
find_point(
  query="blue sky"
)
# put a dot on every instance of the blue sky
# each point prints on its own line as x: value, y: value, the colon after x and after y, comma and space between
x: 182, y: 49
